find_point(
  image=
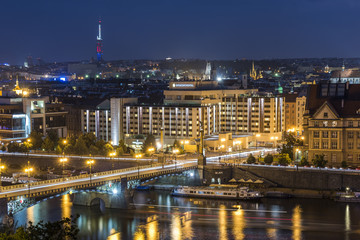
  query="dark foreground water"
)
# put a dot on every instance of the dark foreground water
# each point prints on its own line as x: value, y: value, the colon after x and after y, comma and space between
x: 162, y: 217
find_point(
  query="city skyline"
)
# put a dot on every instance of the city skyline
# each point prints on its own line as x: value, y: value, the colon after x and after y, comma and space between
x: 67, y: 31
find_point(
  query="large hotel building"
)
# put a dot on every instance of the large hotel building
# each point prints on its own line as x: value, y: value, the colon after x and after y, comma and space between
x: 248, y: 115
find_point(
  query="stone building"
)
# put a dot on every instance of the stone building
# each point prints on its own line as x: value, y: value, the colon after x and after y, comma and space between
x: 332, y: 122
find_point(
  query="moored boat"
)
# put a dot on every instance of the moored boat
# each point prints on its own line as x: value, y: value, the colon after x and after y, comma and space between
x: 243, y: 193
x: 348, y: 197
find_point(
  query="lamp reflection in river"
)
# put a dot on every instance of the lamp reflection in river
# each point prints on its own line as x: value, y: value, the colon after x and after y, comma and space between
x: 222, y: 223
x: 30, y: 214
x: 187, y: 230
x: 175, y: 227
x: 347, y: 222
x: 238, y: 224
x: 114, y: 235
x: 65, y: 206
x: 139, y: 234
x: 296, y: 221
x: 152, y: 231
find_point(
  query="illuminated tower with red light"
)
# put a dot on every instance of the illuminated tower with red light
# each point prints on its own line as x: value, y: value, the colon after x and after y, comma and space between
x: 99, y: 45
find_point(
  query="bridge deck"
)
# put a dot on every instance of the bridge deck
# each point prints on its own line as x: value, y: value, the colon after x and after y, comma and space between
x: 82, y: 181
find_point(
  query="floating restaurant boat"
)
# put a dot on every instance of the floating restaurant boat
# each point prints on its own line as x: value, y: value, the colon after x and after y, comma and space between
x: 348, y: 197
x: 243, y: 193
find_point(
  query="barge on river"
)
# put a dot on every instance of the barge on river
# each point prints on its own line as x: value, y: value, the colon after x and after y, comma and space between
x: 243, y: 193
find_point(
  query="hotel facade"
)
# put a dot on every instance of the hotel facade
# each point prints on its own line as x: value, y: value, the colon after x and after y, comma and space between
x: 192, y: 105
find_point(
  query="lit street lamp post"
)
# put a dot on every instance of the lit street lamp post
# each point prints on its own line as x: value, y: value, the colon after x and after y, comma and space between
x: 151, y: 150
x: 175, y: 151
x: 63, y: 161
x: 1, y: 168
x: 112, y: 154
x: 257, y: 136
x: 90, y: 162
x: 137, y: 156
x: 28, y: 170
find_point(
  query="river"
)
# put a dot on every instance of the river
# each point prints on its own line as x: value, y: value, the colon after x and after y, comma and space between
x: 158, y: 215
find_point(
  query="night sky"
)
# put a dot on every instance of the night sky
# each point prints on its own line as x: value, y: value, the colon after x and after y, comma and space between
x: 65, y: 30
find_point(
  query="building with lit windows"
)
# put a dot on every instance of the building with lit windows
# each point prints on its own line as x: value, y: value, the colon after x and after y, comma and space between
x: 97, y: 120
x: 192, y: 105
x: 20, y: 116
x: 332, y: 123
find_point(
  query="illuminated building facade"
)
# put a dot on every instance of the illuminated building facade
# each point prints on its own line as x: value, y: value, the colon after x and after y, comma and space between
x: 97, y: 120
x: 189, y: 103
x: 20, y: 116
x: 332, y: 123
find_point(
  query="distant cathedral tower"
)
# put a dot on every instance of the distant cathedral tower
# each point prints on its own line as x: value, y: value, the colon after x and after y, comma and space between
x: 253, y: 74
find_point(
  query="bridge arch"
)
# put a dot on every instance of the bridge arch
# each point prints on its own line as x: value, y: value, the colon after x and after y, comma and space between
x: 98, y: 202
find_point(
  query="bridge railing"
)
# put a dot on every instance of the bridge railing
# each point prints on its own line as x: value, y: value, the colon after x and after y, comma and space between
x: 83, y: 176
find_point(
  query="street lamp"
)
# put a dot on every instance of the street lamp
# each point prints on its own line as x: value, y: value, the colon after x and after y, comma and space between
x: 90, y: 162
x: 112, y: 154
x: 257, y: 136
x: 175, y: 151
x: 151, y: 150
x: 63, y: 161
x: 137, y: 156
x: 28, y: 170
x: 1, y: 168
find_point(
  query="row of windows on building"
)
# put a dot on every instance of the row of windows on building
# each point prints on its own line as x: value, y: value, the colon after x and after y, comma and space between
x: 347, y: 123
x: 334, y: 134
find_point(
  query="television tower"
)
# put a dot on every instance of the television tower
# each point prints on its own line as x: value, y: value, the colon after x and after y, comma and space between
x: 99, y: 45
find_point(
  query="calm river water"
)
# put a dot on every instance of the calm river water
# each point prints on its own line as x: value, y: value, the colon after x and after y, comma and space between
x: 161, y: 216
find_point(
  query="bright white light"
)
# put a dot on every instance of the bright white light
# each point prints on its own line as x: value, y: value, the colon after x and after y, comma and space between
x: 191, y: 174
x: 219, y: 79
x: 114, y: 191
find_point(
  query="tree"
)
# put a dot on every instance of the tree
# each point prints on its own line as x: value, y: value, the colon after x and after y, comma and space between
x: 48, y: 144
x: 66, y: 228
x: 269, y: 159
x: 284, y: 159
x: 93, y: 150
x: 16, y: 147
x: 108, y: 148
x: 251, y: 159
x: 177, y: 145
x: 59, y: 149
x: 36, y: 140
x: 89, y: 139
x: 288, y: 147
x: 149, y: 142
x: 344, y: 164
x: 80, y: 147
x: 53, y: 135
x: 319, y: 161
x: 100, y: 145
x: 121, y: 149
x: 304, y: 162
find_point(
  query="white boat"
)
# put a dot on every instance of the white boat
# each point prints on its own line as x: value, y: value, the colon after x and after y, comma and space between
x: 243, y: 193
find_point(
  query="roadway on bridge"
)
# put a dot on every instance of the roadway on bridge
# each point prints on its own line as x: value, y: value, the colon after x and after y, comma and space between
x: 210, y: 156
x: 96, y: 177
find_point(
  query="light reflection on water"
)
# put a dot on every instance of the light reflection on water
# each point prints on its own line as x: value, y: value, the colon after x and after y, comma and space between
x: 239, y: 224
x: 223, y: 221
x: 296, y: 220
